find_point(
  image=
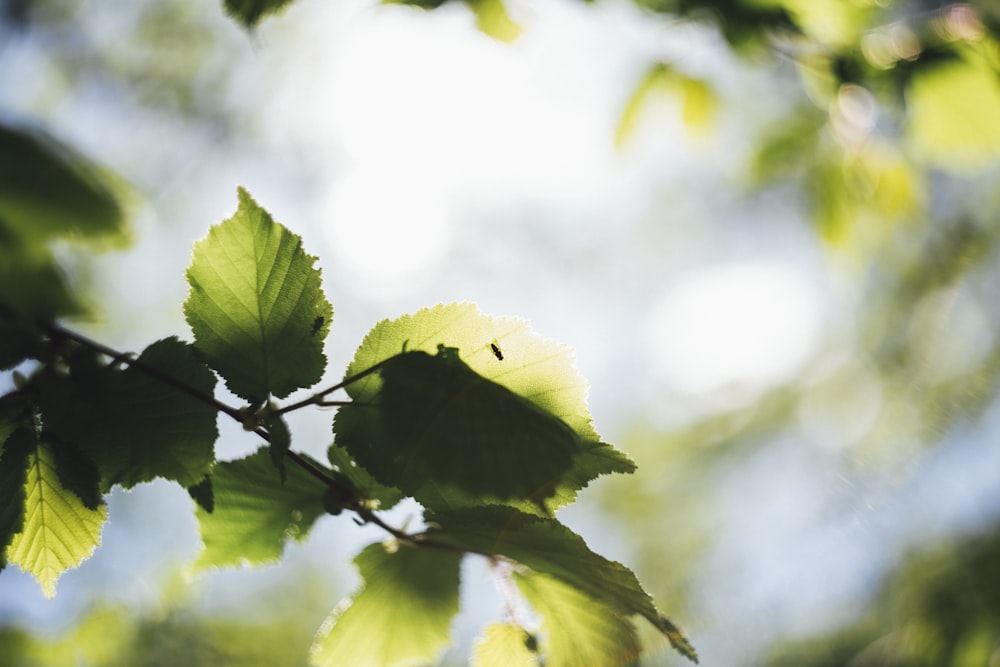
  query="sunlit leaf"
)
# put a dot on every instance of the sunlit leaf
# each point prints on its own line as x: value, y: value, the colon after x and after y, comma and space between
x: 400, y: 616
x: 251, y: 12
x: 953, y: 110
x: 58, y: 532
x: 133, y: 426
x: 578, y: 630
x: 504, y: 645
x: 254, y: 515
x: 547, y: 546
x: 534, y: 368
x: 256, y: 306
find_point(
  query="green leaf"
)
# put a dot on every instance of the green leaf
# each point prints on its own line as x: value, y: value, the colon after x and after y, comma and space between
x: 77, y: 473
x: 250, y: 12
x: 32, y: 285
x: 256, y: 305
x: 14, y: 453
x: 493, y: 20
x: 376, y: 496
x: 202, y: 494
x: 578, y: 629
x: 401, y: 615
x: 440, y: 422
x: 533, y: 368
x: 953, y: 109
x: 18, y: 341
x: 504, y: 645
x: 47, y: 190
x: 697, y: 100
x: 547, y: 546
x: 254, y: 514
x: 58, y: 532
x: 279, y: 443
x: 133, y: 426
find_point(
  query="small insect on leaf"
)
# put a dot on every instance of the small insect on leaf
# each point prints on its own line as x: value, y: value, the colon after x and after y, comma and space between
x: 317, y: 324
x: 497, y: 352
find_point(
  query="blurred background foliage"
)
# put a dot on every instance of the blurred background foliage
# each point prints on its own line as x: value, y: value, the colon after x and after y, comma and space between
x: 820, y: 519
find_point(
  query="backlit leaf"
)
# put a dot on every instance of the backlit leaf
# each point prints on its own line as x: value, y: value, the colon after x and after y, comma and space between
x: 440, y: 421
x: 400, y: 616
x: 504, y: 645
x: 58, y: 531
x: 256, y: 306
x: 577, y: 629
x: 547, y: 546
x: 133, y: 426
x: 532, y: 367
x: 254, y: 514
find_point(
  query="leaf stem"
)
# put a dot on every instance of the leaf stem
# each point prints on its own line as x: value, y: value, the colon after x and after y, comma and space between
x: 319, y: 398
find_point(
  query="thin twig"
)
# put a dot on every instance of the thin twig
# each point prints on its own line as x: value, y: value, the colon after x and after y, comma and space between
x: 318, y: 397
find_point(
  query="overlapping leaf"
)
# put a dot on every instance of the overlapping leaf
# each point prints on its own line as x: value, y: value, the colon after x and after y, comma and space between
x: 547, y: 546
x: 578, y: 630
x: 256, y: 306
x: 133, y: 426
x: 58, y: 532
x: 439, y: 421
x: 378, y: 496
x: 503, y: 351
x: 504, y: 645
x: 254, y: 514
x: 14, y: 451
x: 401, y: 615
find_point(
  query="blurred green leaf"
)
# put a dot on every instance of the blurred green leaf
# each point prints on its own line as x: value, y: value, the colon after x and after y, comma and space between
x: 953, y: 110
x: 256, y: 305
x: 492, y: 18
x: 400, y: 616
x: 579, y: 630
x: 254, y: 514
x: 32, y: 286
x: 133, y: 426
x: 698, y: 102
x: 47, y: 190
x: 250, y: 12
x: 58, y: 531
x: 504, y: 645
